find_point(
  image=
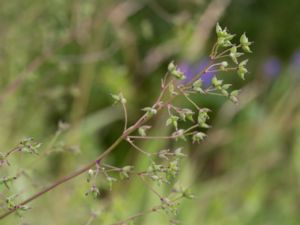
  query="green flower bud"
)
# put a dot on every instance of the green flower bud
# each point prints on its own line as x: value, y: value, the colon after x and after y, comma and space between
x: 221, y: 41
x: 150, y: 111
x: 119, y: 98
x: 242, y: 70
x: 244, y: 40
x: 171, y: 67
x: 62, y: 126
x: 224, y: 37
x: 224, y: 92
x: 197, y: 86
x: 234, y: 96
x: 234, y: 54
x: 110, y: 181
x: 226, y: 86
x: 178, y: 152
x: 188, y: 194
x: 246, y: 49
x: 178, y: 74
x: 24, y: 207
x: 174, y: 71
x: 223, y: 65
x: 143, y: 129
x: 219, y: 30
x: 94, y: 191
x: 245, y: 43
x: 125, y: 171
x: 154, y: 177
x: 172, y: 89
x: 179, y: 134
x: 6, y: 181
x: 199, y: 136
x: 28, y: 145
x: 91, y: 174
x: 173, y: 120
x: 216, y: 82
x: 203, y: 117
x: 187, y: 114
x: 163, y: 154
x: 172, y: 169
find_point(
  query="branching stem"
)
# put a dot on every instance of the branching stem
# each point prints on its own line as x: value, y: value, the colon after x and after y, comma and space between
x: 90, y: 165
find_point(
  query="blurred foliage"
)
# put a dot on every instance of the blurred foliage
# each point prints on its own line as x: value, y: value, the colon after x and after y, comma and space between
x: 61, y: 59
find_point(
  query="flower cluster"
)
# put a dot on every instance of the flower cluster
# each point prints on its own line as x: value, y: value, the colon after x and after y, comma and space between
x: 164, y: 165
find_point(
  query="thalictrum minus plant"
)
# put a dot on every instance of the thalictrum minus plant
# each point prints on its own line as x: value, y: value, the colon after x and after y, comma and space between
x: 164, y: 165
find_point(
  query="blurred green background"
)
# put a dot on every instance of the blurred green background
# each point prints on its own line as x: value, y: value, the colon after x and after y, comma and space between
x: 60, y: 60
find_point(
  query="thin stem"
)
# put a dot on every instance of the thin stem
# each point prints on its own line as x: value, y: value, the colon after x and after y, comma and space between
x: 11, y: 152
x: 214, y: 93
x: 164, y: 80
x: 52, y: 142
x: 152, y: 210
x: 84, y: 169
x: 66, y: 178
x: 222, y: 56
x: 214, y: 51
x: 151, y: 188
x: 126, y: 116
x: 190, y: 100
x: 91, y: 219
x: 224, y: 70
x: 169, y: 111
x: 211, y: 66
x: 225, y: 51
x: 191, y: 128
x: 137, y: 148
x: 153, y: 137
x: 110, y: 166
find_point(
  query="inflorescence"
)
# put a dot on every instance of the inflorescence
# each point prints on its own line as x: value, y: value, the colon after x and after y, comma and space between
x: 187, y: 123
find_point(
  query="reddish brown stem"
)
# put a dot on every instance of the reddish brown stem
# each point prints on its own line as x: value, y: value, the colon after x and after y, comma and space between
x: 63, y: 180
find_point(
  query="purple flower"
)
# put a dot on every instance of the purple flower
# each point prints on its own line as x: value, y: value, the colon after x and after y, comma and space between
x: 272, y: 67
x: 191, y: 71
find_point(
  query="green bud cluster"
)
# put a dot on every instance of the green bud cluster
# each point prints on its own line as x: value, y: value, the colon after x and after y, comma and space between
x: 224, y: 37
x: 179, y: 134
x: 234, y: 96
x: 245, y: 43
x: 94, y: 191
x: 119, y: 98
x: 125, y: 171
x: 174, y: 71
x: 28, y: 145
x: 11, y: 205
x: 169, y: 207
x: 222, y: 88
x: 186, y: 114
x: 3, y: 159
x: 150, y: 111
x: 6, y: 181
x: 164, y: 164
x: 203, y: 117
